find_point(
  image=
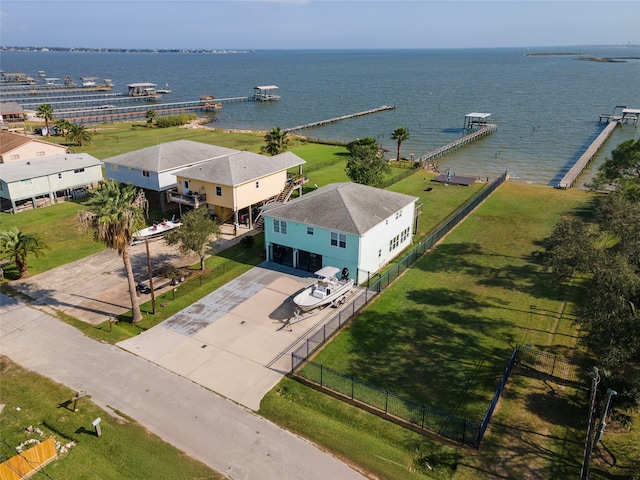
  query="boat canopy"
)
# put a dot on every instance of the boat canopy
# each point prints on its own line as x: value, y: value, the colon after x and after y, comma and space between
x: 266, y: 87
x: 327, y: 272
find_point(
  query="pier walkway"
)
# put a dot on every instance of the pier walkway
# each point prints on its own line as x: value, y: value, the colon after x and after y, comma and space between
x: 574, y: 172
x: 322, y: 123
x: 474, y: 135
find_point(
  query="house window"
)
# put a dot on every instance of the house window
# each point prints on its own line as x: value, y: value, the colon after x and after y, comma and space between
x: 26, y: 181
x: 39, y: 154
x: 394, y: 242
x: 309, y: 230
x: 218, y: 191
x: 145, y: 173
x: 257, y: 184
x: 114, y: 168
x: 338, y: 240
x: 59, y: 175
x: 380, y: 253
x: 398, y: 214
x: 78, y: 170
x: 280, y: 226
x: 15, y: 157
x: 404, y: 235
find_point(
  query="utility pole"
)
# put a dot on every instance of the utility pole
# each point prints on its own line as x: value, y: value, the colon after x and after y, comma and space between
x: 603, y: 425
x: 588, y: 444
x: 153, y: 295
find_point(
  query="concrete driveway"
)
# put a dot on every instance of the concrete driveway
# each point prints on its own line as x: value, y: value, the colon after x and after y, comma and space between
x: 236, y: 340
x: 95, y: 287
x: 225, y: 436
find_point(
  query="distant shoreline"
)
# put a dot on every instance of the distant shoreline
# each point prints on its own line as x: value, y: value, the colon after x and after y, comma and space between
x: 585, y: 57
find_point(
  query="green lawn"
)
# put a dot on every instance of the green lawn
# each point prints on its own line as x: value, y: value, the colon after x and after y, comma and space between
x: 442, y: 335
x: 59, y: 229
x: 125, y: 450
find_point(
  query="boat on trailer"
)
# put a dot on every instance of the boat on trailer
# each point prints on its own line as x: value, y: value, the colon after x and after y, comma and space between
x: 157, y: 230
x: 327, y: 289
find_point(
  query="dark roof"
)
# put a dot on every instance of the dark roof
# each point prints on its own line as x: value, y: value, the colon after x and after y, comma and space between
x: 10, y: 107
x: 345, y: 207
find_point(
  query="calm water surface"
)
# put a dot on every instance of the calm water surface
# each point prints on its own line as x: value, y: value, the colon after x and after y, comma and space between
x: 546, y: 108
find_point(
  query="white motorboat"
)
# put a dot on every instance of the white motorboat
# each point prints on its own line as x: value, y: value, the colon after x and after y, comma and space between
x: 158, y: 229
x: 327, y: 290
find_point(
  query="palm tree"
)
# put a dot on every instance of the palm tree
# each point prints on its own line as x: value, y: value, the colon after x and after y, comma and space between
x: 277, y: 141
x: 117, y: 211
x: 63, y: 126
x: 79, y: 134
x: 17, y: 245
x: 45, y: 111
x: 150, y: 116
x: 400, y: 134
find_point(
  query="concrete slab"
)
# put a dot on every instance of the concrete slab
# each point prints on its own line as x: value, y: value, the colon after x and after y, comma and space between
x: 187, y: 357
x: 235, y: 340
x: 154, y: 343
x: 236, y: 378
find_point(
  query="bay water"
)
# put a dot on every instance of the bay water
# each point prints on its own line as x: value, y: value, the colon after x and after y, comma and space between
x: 546, y: 107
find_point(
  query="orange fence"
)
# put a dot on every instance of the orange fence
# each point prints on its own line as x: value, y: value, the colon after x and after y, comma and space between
x: 28, y: 462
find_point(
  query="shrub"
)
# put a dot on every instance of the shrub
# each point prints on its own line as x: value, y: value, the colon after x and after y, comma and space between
x: 175, y: 120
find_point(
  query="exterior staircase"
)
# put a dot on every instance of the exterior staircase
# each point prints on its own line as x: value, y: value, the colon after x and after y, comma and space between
x: 285, y: 195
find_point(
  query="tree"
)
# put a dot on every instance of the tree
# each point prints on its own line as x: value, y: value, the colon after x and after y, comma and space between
x: 195, y: 234
x: 45, y: 111
x: 116, y: 212
x: 17, y: 245
x: 79, y: 135
x: 366, y: 164
x: 63, y: 126
x: 277, y: 141
x: 604, y: 254
x: 150, y: 116
x: 622, y: 170
x: 400, y: 134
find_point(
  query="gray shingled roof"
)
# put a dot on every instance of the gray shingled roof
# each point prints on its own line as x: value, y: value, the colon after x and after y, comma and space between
x: 345, y: 207
x: 42, y: 166
x: 241, y: 167
x: 169, y: 156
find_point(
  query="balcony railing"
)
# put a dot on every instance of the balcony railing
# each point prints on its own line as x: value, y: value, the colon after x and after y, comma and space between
x: 192, y: 199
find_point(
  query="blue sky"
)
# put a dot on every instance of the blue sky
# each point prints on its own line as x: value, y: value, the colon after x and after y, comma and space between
x: 313, y: 24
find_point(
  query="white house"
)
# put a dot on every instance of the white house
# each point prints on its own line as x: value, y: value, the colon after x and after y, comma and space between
x: 343, y: 225
x: 154, y: 168
x: 26, y: 184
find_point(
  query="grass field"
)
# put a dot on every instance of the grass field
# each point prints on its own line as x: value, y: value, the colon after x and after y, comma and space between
x: 442, y: 335
x: 124, y: 451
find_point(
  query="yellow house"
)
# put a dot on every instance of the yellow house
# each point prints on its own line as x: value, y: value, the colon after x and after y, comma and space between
x: 233, y: 186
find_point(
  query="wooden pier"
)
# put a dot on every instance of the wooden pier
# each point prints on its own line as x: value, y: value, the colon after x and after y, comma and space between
x: 487, y: 129
x: 574, y: 172
x: 322, y: 123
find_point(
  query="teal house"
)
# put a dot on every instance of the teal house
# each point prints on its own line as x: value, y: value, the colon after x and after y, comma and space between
x: 344, y: 225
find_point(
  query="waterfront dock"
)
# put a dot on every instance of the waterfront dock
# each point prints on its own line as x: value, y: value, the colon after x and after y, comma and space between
x: 322, y: 123
x: 474, y: 135
x: 574, y: 172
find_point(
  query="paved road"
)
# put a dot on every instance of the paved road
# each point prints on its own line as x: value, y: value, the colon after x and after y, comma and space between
x: 219, y: 433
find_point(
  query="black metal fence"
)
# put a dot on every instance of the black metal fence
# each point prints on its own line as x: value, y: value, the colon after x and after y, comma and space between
x: 553, y: 366
x: 390, y: 275
x: 419, y: 415
x: 496, y: 396
x: 386, y: 403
